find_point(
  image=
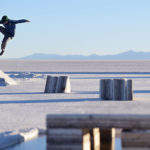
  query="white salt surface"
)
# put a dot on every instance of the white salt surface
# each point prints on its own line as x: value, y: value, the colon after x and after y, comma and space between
x: 6, y: 80
x: 25, y: 105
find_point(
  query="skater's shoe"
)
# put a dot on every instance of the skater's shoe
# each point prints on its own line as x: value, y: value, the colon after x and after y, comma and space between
x: 2, y: 52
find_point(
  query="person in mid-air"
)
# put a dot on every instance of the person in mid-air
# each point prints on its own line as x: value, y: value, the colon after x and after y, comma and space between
x: 8, y: 30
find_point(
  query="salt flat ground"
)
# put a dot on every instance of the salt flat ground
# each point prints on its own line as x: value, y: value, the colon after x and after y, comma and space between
x: 26, y: 105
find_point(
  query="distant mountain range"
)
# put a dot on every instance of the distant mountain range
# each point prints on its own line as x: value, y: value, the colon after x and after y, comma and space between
x: 131, y: 55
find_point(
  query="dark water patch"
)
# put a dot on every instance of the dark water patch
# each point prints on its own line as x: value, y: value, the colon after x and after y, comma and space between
x: 40, y: 144
x: 34, y: 144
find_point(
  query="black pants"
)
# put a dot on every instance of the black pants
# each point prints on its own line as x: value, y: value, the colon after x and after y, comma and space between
x: 6, y: 37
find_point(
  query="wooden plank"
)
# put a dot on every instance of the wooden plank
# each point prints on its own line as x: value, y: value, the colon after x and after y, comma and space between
x: 48, y: 84
x: 62, y: 140
x: 107, y: 134
x: 64, y: 147
x: 66, y: 132
x: 86, y: 139
x: 106, y: 89
x: 107, y: 139
x: 138, y: 138
x: 100, y: 121
x: 95, y: 139
x: 135, y: 148
x: 105, y: 145
x: 51, y: 84
x: 61, y: 136
x: 119, y: 88
x: 61, y: 84
x: 129, y: 91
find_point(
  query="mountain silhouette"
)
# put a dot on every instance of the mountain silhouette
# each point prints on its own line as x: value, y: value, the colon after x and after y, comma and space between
x: 131, y: 55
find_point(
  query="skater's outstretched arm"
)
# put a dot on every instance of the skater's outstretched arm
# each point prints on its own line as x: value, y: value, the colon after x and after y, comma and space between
x: 19, y: 21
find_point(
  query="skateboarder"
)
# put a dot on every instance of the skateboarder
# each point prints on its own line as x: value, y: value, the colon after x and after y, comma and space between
x: 8, y: 30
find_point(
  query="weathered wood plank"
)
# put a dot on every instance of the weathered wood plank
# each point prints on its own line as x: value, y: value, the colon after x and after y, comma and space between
x: 100, y: 121
x: 64, y: 147
x: 106, y: 89
x: 96, y: 139
x: 116, y: 89
x: 66, y: 132
x: 64, y: 136
x: 119, y: 89
x: 107, y: 139
x: 62, y: 140
x: 129, y: 93
x: 86, y: 139
x: 48, y: 84
x: 51, y: 84
x: 138, y: 138
x: 63, y: 85
x: 107, y: 134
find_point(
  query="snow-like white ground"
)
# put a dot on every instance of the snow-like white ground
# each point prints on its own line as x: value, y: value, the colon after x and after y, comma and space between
x: 25, y: 105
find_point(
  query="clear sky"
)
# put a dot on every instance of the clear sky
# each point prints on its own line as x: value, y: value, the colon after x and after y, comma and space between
x: 78, y: 26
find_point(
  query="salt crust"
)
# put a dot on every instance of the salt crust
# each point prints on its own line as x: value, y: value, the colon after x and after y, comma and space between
x: 12, y: 138
x: 6, y: 80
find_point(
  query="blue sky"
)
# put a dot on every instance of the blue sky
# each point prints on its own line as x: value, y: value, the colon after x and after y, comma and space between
x: 78, y: 26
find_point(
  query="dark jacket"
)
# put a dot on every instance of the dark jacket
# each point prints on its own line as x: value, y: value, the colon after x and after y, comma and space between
x: 11, y: 26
